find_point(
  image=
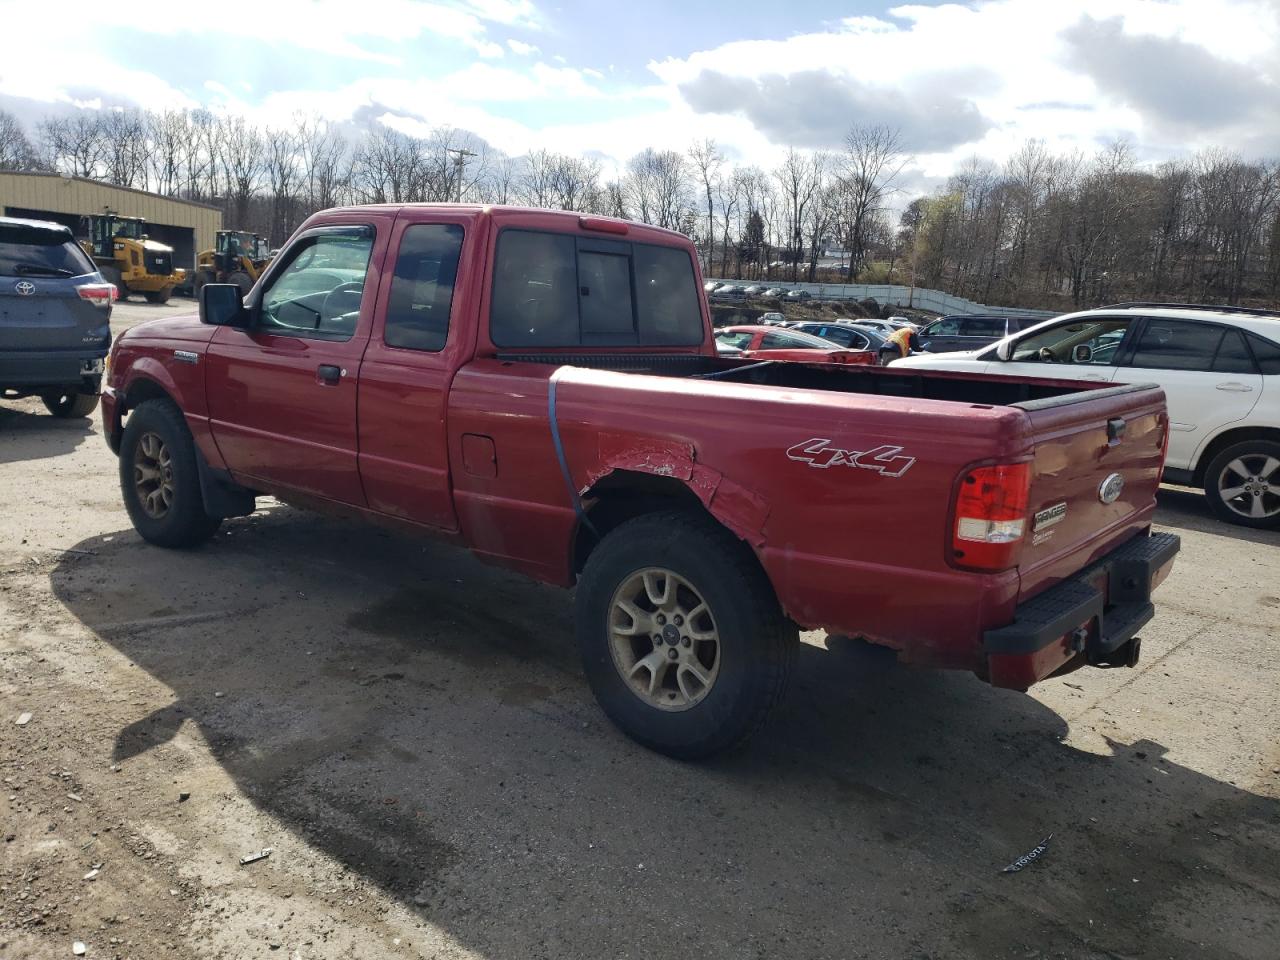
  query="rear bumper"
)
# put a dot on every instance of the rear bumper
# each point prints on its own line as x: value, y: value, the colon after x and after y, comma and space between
x: 50, y: 368
x: 1095, y: 615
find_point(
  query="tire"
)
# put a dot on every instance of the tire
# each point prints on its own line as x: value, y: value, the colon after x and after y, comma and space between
x: 747, y: 666
x: 1252, y: 468
x: 156, y: 442
x: 70, y: 403
x: 112, y: 275
x: 160, y: 296
x: 241, y: 280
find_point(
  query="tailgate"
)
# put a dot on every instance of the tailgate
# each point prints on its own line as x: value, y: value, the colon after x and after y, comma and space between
x: 1098, y: 459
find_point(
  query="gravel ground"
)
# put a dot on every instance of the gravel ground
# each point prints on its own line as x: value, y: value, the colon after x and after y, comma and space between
x: 410, y: 733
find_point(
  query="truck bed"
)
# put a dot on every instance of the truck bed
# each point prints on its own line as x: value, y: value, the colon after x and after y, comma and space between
x: 870, y: 380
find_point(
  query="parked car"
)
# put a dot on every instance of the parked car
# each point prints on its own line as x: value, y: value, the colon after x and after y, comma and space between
x: 772, y: 319
x: 55, y: 312
x: 755, y: 290
x: 969, y: 332
x: 777, y: 292
x: 570, y: 419
x: 710, y: 286
x: 770, y: 343
x: 898, y: 321
x: 883, y: 327
x: 799, y: 295
x: 851, y: 337
x: 1220, y: 371
x: 729, y: 291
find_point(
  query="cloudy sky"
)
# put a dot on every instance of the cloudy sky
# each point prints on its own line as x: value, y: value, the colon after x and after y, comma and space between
x: 610, y: 78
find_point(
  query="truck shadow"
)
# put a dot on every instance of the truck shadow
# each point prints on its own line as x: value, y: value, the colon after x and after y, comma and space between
x: 26, y: 434
x: 422, y: 719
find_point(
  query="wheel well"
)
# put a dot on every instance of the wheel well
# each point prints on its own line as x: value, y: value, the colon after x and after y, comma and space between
x: 142, y: 390
x: 1226, y: 439
x: 624, y: 495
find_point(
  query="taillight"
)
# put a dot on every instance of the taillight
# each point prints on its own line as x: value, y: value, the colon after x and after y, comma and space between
x: 991, y: 515
x: 99, y: 294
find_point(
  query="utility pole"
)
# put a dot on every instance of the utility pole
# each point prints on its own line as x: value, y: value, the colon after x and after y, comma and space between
x: 459, y: 164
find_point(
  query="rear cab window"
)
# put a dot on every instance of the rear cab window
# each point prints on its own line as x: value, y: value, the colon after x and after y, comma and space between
x: 33, y: 251
x: 561, y: 290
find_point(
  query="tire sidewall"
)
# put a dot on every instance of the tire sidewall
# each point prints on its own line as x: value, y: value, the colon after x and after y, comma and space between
x: 727, y: 711
x: 176, y: 526
x: 1218, y: 464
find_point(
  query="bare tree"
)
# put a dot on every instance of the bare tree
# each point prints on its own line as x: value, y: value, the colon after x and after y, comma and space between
x: 799, y: 179
x: 657, y: 187
x: 873, y: 159
x: 242, y: 164
x: 75, y: 143
x: 707, y: 161
x: 16, y: 151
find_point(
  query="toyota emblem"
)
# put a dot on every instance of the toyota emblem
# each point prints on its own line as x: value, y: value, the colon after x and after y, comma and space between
x: 24, y: 288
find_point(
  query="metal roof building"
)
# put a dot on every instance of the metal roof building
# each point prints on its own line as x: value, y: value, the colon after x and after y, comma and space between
x: 183, y: 224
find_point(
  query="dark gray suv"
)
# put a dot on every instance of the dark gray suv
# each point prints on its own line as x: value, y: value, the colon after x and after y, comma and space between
x: 54, y: 314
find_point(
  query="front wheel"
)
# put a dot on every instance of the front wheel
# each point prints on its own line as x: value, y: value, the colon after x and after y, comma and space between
x: 160, y: 296
x: 682, y: 640
x: 67, y: 404
x: 1242, y: 483
x: 159, y: 477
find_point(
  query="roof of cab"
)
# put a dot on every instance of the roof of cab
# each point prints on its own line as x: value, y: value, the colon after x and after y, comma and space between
x: 503, y: 211
x: 35, y: 225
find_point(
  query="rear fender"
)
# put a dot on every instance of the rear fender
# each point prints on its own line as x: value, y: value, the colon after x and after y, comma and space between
x: 741, y: 510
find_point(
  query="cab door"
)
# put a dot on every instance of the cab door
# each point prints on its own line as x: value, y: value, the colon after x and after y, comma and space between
x: 1084, y: 348
x: 417, y: 346
x: 282, y: 393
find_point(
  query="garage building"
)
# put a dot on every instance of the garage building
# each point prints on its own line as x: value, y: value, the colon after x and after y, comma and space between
x: 184, y: 225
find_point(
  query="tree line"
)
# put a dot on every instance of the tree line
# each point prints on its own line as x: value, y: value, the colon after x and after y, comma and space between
x: 1043, y: 229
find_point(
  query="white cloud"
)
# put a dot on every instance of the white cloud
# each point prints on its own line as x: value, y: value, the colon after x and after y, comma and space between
x: 522, y: 49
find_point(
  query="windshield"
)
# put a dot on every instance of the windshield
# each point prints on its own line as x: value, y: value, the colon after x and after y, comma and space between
x: 739, y: 340
x: 132, y: 229
x: 796, y: 338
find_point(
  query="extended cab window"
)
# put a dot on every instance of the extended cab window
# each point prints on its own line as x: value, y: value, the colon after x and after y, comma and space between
x: 317, y: 294
x: 422, y: 289
x: 556, y: 290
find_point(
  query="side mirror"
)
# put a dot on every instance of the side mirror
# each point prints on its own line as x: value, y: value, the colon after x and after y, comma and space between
x: 1004, y: 350
x: 1083, y: 353
x: 222, y: 306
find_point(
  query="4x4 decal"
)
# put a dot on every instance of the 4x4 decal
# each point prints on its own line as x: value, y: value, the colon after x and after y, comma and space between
x: 884, y: 459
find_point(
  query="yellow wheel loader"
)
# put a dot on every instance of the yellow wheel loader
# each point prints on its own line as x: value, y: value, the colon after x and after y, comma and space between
x: 239, y: 258
x: 128, y: 258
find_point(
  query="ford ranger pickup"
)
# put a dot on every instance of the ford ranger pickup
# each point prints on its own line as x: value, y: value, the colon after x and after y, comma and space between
x: 543, y: 388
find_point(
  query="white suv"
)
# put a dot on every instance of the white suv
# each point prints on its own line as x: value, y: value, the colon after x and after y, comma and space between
x: 1220, y: 370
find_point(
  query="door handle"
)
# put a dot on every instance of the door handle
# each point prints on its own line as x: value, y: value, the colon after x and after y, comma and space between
x: 1233, y: 387
x: 328, y: 374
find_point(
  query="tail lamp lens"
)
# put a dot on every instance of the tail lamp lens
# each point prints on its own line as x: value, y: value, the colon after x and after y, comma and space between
x: 991, y: 515
x: 99, y: 294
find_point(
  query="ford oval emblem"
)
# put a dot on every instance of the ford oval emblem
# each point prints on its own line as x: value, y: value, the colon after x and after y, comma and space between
x: 24, y: 288
x: 1110, y: 489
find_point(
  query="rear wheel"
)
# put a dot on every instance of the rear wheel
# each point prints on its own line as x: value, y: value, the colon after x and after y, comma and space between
x: 159, y: 478
x: 69, y: 403
x: 112, y: 275
x: 160, y: 296
x: 683, y: 642
x: 241, y: 280
x: 1242, y: 483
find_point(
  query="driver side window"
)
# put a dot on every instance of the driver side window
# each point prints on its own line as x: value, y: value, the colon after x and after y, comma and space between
x: 318, y: 292
x: 1082, y: 342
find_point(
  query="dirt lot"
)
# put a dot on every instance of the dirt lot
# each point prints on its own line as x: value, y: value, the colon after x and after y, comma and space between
x: 410, y: 733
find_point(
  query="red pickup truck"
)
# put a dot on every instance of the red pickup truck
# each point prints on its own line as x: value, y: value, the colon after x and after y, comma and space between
x: 543, y: 388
